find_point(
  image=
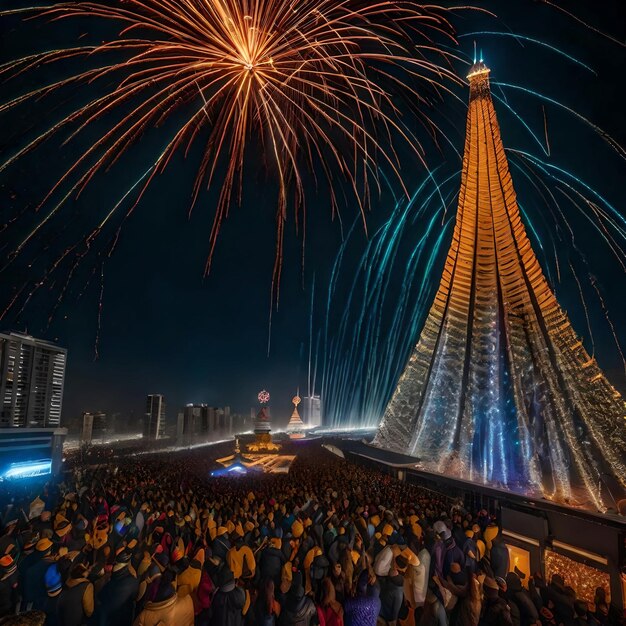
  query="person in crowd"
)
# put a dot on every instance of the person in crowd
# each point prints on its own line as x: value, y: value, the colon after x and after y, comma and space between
x: 76, y: 602
x: 8, y: 585
x: 518, y: 596
x: 116, y: 600
x: 298, y: 608
x: 330, y: 610
x: 167, y: 609
x: 266, y: 608
x: 392, y: 592
x: 363, y: 608
x: 495, y: 611
x: 499, y: 556
x: 230, y: 602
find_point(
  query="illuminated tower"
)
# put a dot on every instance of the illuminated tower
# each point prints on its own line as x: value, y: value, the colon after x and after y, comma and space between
x: 263, y: 428
x: 296, y: 425
x: 154, y: 422
x: 499, y: 388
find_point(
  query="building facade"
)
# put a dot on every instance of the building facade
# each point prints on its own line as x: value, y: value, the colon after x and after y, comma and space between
x: 32, y: 375
x: 196, y: 419
x: 312, y: 411
x: 154, y: 422
x: 94, y: 425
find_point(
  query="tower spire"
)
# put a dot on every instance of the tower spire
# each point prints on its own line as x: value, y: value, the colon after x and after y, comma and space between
x: 499, y: 389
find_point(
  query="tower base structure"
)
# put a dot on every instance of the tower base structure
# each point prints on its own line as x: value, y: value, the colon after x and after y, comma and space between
x: 263, y: 434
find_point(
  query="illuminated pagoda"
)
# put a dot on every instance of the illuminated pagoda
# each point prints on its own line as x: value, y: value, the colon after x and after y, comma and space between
x: 263, y: 427
x: 296, y: 427
x: 499, y: 388
x: 237, y: 464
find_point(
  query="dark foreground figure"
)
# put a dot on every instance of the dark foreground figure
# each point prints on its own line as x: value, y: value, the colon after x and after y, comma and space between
x: 156, y: 542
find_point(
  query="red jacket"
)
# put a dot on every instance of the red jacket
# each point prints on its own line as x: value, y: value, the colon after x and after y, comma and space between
x: 328, y: 617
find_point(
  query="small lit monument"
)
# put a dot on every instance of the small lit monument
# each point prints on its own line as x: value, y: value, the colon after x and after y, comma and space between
x: 263, y: 428
x: 295, y: 428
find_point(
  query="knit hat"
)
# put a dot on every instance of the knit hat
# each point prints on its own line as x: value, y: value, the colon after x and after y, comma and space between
x: 122, y: 560
x: 29, y: 539
x: 7, y: 564
x: 123, y: 557
x: 166, y: 588
x: 43, y: 545
x: 200, y: 556
x: 177, y: 555
x: 411, y: 558
x: 162, y: 560
x: 53, y: 580
x: 297, y: 529
x: 62, y: 527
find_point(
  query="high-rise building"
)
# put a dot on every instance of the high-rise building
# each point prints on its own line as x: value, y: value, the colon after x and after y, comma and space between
x: 154, y: 422
x: 311, y: 411
x: 212, y: 417
x: 499, y: 388
x: 32, y: 374
x: 87, y: 429
x: 196, y: 419
x: 180, y: 425
x: 94, y: 425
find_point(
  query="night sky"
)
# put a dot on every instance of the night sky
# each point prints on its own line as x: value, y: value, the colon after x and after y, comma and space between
x: 166, y: 329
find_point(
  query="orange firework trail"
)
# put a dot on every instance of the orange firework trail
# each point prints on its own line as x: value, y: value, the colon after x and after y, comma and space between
x: 303, y: 86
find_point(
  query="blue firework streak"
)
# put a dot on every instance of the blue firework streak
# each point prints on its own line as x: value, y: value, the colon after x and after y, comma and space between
x: 381, y: 314
x: 375, y: 309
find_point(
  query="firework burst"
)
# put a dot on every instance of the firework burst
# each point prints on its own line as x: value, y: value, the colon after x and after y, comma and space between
x: 306, y: 85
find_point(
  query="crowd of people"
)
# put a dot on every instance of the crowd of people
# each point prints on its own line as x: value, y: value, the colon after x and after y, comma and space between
x: 157, y: 541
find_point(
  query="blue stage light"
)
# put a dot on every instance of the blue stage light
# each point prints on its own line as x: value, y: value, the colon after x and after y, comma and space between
x: 28, y: 469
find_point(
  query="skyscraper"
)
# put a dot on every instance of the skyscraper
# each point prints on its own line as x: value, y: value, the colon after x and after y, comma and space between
x: 196, y: 419
x: 154, y: 423
x: 32, y: 374
x: 499, y: 388
x: 312, y: 411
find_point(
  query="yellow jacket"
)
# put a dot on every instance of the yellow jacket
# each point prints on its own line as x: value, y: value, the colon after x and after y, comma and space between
x: 237, y: 557
x: 188, y: 581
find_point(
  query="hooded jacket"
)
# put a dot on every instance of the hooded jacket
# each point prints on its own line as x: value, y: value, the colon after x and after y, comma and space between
x: 228, y: 605
x: 299, y: 613
x: 241, y: 561
x: 76, y: 602
x: 271, y: 563
x: 116, y: 603
x: 174, y: 611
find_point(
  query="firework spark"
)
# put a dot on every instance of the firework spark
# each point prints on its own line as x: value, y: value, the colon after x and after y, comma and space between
x: 306, y: 84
